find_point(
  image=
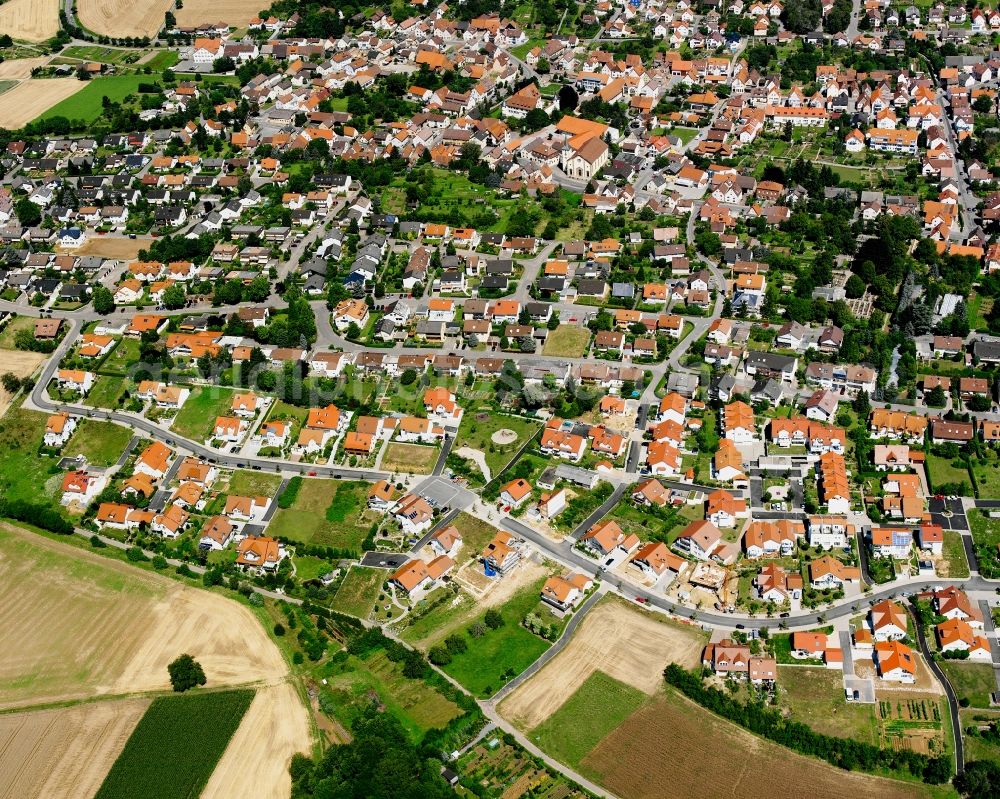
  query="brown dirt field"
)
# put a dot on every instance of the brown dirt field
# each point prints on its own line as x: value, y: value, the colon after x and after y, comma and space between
x: 19, y: 363
x: 32, y: 20
x: 707, y: 752
x: 110, y: 247
x: 123, y: 17
x: 75, y: 625
x: 236, y: 12
x: 401, y: 457
x: 34, y: 97
x: 63, y: 753
x: 256, y: 761
x: 19, y: 68
x: 625, y: 643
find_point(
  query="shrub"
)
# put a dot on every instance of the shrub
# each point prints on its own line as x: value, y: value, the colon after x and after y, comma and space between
x: 279, y: 629
x: 456, y: 644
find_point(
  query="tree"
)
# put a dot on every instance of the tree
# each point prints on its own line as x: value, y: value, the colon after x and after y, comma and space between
x: 493, y: 619
x: 936, y: 398
x: 28, y: 214
x: 439, y: 655
x: 855, y: 287
x: 103, y: 300
x: 456, y: 643
x: 185, y: 673
x: 224, y: 64
x: 174, y: 297
x: 981, y: 780
x: 409, y: 377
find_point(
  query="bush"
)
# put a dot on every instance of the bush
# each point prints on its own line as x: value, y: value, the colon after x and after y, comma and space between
x: 97, y: 542
x: 279, y: 629
x: 456, y: 644
x: 493, y: 619
x: 160, y: 562
x: 439, y: 655
x: 185, y: 673
x: 477, y: 629
x: 291, y: 492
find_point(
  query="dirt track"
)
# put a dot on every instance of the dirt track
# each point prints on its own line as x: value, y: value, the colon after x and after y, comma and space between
x: 34, y: 97
x: 63, y: 753
x: 256, y: 761
x: 32, y: 20
x: 624, y: 643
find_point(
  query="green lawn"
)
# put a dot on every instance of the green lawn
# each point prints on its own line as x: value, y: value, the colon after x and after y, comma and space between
x: 647, y: 524
x: 985, y: 531
x: 196, y: 418
x: 684, y: 134
x: 101, y: 443
x: 500, y: 655
x: 308, y: 567
x: 245, y: 483
x: 942, y: 471
x: 12, y: 328
x: 567, y: 341
x: 354, y: 684
x: 104, y: 55
x: 477, y: 429
x: 815, y: 696
x: 87, y: 104
x: 972, y: 681
x: 595, y: 709
x: 953, y: 552
x: 106, y: 391
x: 124, y: 354
x: 476, y: 534
x: 24, y: 474
x: 164, y: 59
x: 359, y: 591
x: 986, y: 469
x: 327, y: 513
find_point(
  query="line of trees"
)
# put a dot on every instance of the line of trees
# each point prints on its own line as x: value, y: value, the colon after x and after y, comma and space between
x: 771, y: 724
x: 36, y: 514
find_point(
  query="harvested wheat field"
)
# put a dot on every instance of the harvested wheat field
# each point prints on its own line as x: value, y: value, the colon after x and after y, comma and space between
x: 112, y: 247
x: 31, y: 20
x: 256, y: 761
x: 32, y: 98
x: 75, y: 625
x: 20, y: 364
x: 19, y: 68
x: 701, y: 756
x: 197, y: 12
x: 63, y: 753
x: 120, y: 18
x: 628, y: 644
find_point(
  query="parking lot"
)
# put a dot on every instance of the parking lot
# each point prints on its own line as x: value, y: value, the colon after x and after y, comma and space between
x: 442, y: 493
